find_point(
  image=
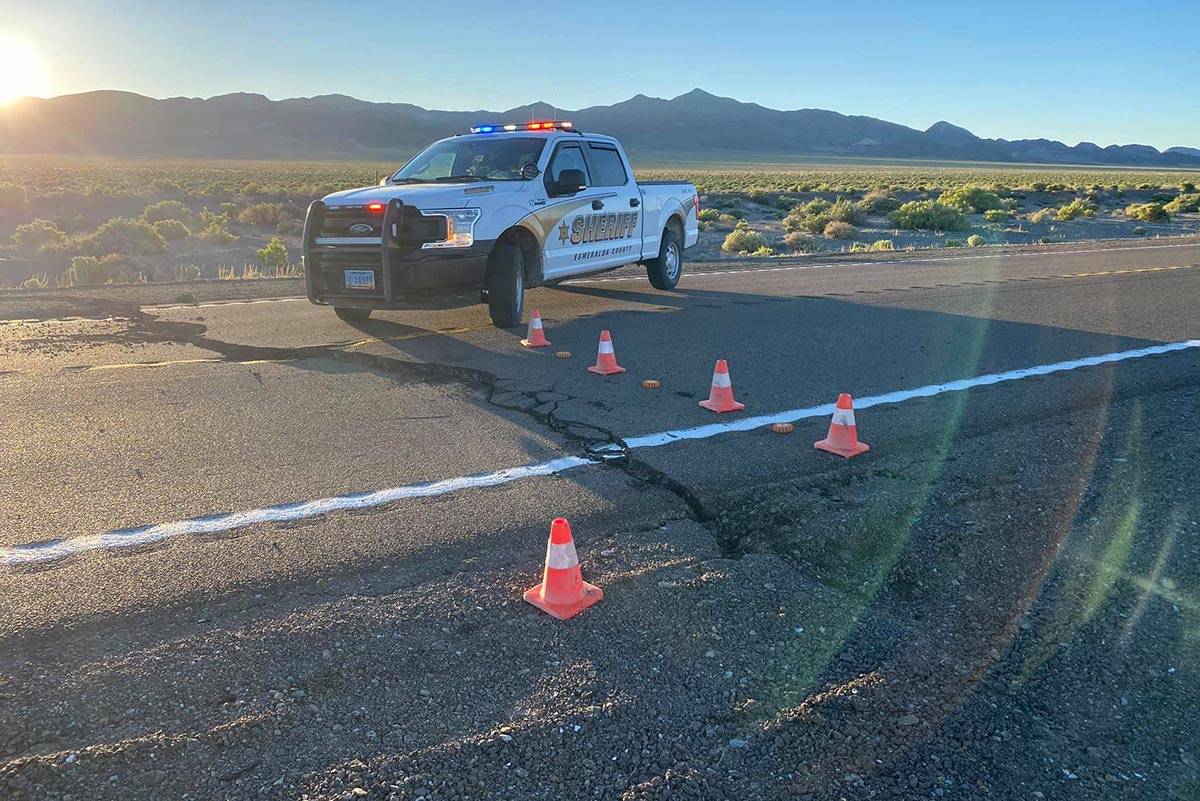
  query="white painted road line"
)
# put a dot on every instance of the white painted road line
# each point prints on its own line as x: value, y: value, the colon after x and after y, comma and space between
x: 211, y: 304
x: 23, y: 555
x: 826, y: 409
x: 893, y: 262
x: 34, y: 553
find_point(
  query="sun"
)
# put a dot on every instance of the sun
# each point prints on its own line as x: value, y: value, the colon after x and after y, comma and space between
x: 21, y: 71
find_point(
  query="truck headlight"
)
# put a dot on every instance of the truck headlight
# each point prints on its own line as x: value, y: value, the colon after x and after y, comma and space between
x: 460, y: 228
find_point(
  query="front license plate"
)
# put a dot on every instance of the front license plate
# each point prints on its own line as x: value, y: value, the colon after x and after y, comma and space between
x: 360, y: 279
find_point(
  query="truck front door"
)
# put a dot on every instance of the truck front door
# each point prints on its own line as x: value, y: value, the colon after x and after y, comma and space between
x: 618, y: 237
x: 566, y: 250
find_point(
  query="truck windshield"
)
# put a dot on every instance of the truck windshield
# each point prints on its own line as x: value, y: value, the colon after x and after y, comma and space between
x: 472, y: 159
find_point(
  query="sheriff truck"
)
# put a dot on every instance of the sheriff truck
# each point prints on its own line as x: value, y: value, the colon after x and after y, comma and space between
x: 491, y: 213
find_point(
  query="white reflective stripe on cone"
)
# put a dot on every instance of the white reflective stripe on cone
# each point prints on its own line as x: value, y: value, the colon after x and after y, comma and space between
x: 721, y: 380
x: 561, y: 557
x: 536, y: 322
x: 843, y: 417
x: 606, y: 346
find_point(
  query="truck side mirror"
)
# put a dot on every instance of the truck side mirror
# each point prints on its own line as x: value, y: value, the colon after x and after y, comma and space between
x: 570, y: 181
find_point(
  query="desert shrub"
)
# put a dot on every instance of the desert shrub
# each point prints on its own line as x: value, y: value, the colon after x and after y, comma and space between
x: 172, y: 230
x: 188, y: 272
x: 843, y: 210
x: 267, y: 215
x: 1187, y: 187
x: 38, y: 234
x: 813, y: 208
x: 1041, y: 215
x: 876, y: 246
x: 763, y: 251
x: 708, y: 215
x: 816, y: 214
x: 995, y: 215
x: 976, y: 241
x: 274, y: 256
x: 1183, y: 203
x: 801, y: 242
x: 165, y: 210
x: 124, y: 236
x: 954, y: 243
x: 216, y: 235
x: 726, y: 221
x: 91, y: 271
x: 969, y: 199
x: 1077, y: 208
x: 36, y: 282
x: 743, y: 240
x: 878, y: 201
x: 1038, y: 186
x: 837, y: 229
x: 230, y: 210
x: 12, y: 200
x: 1147, y: 212
x: 928, y: 215
x: 215, y: 228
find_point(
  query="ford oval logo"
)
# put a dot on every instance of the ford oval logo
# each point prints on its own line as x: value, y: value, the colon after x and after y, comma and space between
x: 361, y: 229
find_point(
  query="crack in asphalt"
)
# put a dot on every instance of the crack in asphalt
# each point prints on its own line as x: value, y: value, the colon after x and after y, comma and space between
x: 540, y: 404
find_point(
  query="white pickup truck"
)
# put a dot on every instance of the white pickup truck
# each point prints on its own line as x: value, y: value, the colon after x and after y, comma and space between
x: 495, y: 211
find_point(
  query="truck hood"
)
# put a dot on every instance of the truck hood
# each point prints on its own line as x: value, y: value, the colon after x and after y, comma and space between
x: 424, y: 196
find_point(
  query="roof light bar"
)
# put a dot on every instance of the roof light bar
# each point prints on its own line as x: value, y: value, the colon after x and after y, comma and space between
x: 540, y: 125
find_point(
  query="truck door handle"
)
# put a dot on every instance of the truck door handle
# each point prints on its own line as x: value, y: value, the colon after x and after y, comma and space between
x: 634, y: 202
x: 597, y: 204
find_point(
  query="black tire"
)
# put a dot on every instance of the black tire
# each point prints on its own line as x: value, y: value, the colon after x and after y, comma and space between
x: 351, y: 315
x: 664, y: 271
x: 505, y: 282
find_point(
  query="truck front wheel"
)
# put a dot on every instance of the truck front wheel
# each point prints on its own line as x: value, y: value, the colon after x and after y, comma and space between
x: 664, y: 271
x: 351, y: 315
x: 505, y: 283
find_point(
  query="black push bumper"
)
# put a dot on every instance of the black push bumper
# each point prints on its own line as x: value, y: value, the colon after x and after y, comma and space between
x: 405, y: 274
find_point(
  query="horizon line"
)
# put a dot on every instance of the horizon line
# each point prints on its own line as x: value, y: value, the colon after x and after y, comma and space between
x: 696, y: 90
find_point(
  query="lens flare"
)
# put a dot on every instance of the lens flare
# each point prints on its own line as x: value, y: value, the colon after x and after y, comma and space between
x: 22, y: 73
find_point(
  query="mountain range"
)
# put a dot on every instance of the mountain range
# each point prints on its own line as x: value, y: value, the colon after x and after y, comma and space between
x: 696, y: 126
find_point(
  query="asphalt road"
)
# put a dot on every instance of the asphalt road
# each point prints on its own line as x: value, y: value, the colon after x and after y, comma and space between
x: 1000, y: 600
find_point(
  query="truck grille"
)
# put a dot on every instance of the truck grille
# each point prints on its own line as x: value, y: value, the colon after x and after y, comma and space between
x: 340, y: 220
x: 344, y: 225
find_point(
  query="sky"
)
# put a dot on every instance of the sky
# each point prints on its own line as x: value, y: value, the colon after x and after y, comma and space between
x: 1100, y: 71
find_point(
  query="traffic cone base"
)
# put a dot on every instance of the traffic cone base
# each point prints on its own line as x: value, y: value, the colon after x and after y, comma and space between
x: 606, y: 370
x: 589, y: 595
x: 841, y: 449
x: 536, y: 338
x: 720, y: 396
x: 716, y: 406
x: 843, y: 431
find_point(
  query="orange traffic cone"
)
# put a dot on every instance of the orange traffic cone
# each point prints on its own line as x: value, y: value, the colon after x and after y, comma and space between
x: 563, y: 593
x: 843, y: 433
x: 720, y: 396
x: 536, y: 338
x: 606, y: 358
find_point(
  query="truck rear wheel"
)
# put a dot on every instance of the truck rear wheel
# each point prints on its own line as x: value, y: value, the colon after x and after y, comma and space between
x: 351, y: 315
x: 505, y: 282
x: 664, y: 271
